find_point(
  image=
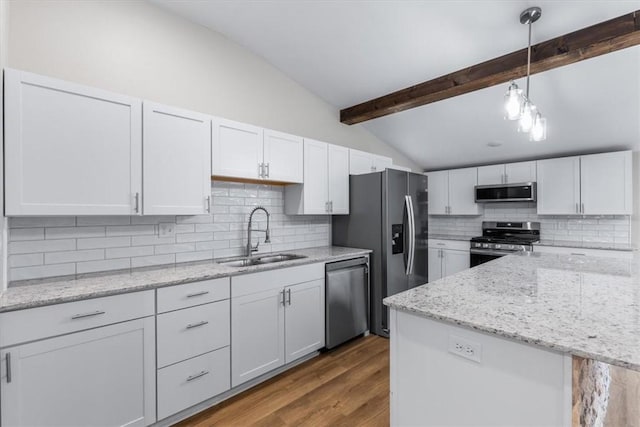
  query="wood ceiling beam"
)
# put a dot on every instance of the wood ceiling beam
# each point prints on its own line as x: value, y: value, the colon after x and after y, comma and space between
x: 605, y: 37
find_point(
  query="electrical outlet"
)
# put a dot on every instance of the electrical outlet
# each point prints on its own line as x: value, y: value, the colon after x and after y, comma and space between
x: 465, y: 348
x: 166, y: 229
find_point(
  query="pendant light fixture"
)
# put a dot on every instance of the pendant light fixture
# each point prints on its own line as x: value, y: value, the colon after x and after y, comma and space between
x: 518, y: 106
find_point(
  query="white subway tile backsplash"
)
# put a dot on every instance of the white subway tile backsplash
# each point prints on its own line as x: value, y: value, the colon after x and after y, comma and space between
x: 73, y: 256
x: 53, y: 246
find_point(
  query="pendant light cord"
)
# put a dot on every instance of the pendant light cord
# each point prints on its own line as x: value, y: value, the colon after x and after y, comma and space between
x: 529, y: 59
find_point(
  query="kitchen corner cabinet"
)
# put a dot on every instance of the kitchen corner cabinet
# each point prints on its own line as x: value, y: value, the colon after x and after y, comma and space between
x: 99, y: 376
x: 452, y: 192
x: 176, y: 162
x: 361, y: 162
x: 447, y: 257
x: 250, y: 152
x: 596, y: 184
x: 70, y: 149
x: 326, y: 181
x: 276, y: 317
x: 510, y: 173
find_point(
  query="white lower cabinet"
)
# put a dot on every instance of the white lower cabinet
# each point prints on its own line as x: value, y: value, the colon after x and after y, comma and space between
x: 276, y: 317
x: 447, y: 257
x: 100, y: 377
x: 192, y: 381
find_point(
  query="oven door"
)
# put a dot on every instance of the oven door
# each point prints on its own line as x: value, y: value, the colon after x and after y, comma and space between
x: 480, y: 256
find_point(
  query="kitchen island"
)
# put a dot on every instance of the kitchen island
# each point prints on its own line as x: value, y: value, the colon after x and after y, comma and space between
x: 494, y: 345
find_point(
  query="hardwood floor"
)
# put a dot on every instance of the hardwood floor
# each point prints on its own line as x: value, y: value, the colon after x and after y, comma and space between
x: 348, y: 386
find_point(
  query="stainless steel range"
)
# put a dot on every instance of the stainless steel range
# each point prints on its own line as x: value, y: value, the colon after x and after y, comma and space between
x: 503, y: 238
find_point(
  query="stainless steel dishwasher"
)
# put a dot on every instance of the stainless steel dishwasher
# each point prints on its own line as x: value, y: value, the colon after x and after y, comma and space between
x: 347, y: 300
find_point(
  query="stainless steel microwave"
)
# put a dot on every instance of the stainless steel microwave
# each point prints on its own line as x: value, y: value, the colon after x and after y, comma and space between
x: 521, y: 192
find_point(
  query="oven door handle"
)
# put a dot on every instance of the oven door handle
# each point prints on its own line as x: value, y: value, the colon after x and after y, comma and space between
x: 492, y: 253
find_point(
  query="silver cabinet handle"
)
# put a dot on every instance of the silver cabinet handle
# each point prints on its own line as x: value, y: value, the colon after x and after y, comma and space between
x: 579, y: 254
x: 326, y: 207
x: 7, y: 359
x: 282, y: 300
x: 195, y: 325
x: 198, y: 375
x: 208, y: 204
x: 260, y: 170
x: 267, y: 170
x: 582, y: 207
x: 197, y: 294
x: 440, y: 244
x: 331, y: 206
x: 577, y: 208
x: 289, y: 296
x: 84, y: 315
x: 137, y: 207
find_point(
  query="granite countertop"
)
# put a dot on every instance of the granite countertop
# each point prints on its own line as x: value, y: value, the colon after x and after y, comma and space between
x: 586, y: 245
x: 449, y: 237
x: 588, y: 307
x: 56, y: 291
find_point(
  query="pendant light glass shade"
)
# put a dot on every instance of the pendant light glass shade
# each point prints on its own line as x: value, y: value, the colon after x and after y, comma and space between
x: 513, y: 102
x: 539, y: 128
x: 526, y: 117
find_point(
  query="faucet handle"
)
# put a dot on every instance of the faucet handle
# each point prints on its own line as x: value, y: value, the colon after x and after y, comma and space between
x: 255, y: 248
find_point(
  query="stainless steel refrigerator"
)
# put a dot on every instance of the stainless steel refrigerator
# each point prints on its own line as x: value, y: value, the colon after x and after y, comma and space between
x: 388, y: 214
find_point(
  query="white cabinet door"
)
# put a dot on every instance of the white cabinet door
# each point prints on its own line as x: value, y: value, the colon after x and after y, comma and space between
x: 559, y: 186
x: 70, y: 149
x: 455, y: 261
x: 606, y: 184
x: 236, y: 149
x: 104, y: 376
x: 338, y: 179
x: 316, y: 180
x: 518, y: 172
x: 435, y: 264
x: 176, y: 161
x: 462, y: 184
x: 438, y: 184
x: 380, y: 163
x: 257, y: 334
x: 283, y: 157
x: 304, y: 319
x: 360, y: 162
x: 491, y: 175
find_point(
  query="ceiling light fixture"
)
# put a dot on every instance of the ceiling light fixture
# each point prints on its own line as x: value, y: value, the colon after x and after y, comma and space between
x: 518, y: 106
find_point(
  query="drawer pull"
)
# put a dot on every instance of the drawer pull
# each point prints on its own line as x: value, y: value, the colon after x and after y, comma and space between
x: 440, y: 244
x: 197, y: 294
x: 8, y: 360
x: 83, y: 315
x: 576, y: 253
x: 195, y: 325
x: 198, y: 375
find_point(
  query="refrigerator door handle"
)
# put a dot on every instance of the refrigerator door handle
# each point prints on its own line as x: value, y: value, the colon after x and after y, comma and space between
x: 412, y: 234
x: 405, y: 234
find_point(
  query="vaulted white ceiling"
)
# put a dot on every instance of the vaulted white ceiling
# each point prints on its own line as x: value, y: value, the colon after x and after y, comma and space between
x: 348, y: 52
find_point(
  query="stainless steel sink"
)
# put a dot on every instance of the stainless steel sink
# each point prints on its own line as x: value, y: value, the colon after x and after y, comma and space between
x: 258, y: 260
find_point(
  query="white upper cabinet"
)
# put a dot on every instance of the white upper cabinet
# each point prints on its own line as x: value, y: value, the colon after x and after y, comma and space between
x: 451, y: 192
x: 597, y: 184
x: 559, y: 186
x: 338, y: 179
x: 283, y: 156
x: 606, y: 184
x: 237, y: 149
x: 70, y: 149
x: 176, y: 165
x: 510, y: 173
x: 326, y: 181
x: 250, y: 152
x: 361, y: 162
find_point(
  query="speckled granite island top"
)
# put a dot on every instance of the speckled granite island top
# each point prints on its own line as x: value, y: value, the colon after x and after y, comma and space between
x: 586, y: 306
x: 59, y: 291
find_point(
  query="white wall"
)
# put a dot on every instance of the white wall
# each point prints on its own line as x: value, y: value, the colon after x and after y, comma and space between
x: 138, y: 49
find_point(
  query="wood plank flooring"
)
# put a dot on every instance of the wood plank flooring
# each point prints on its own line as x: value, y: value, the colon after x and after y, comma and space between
x: 348, y: 386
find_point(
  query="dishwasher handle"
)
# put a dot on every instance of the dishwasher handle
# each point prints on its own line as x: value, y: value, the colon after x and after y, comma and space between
x: 339, y: 265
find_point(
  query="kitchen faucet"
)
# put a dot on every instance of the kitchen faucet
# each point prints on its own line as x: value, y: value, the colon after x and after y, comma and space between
x: 250, y: 248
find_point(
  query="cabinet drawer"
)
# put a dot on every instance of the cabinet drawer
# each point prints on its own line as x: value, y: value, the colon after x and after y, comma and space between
x: 458, y: 245
x: 190, y: 294
x: 605, y: 253
x: 190, y: 332
x: 42, y: 322
x: 190, y: 382
x: 248, y: 284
